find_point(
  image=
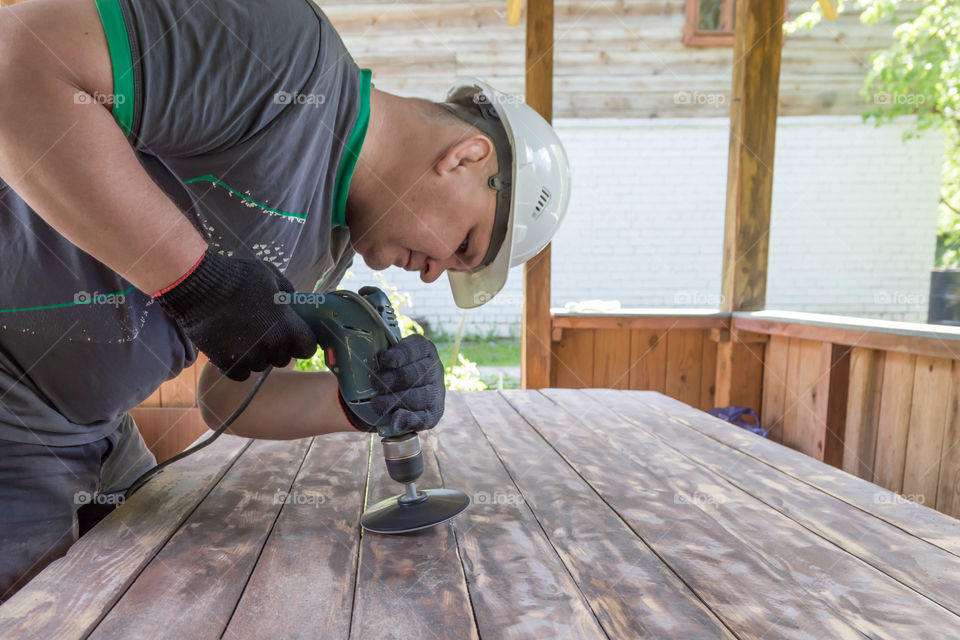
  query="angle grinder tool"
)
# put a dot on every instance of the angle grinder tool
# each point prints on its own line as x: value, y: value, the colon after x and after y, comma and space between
x: 351, y: 329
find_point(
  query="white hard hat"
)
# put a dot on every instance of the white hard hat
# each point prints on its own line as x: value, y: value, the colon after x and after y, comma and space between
x: 533, y: 182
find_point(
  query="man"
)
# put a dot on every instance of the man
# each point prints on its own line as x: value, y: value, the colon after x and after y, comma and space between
x: 168, y: 168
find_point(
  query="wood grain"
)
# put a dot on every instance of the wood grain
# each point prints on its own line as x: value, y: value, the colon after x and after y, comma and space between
x: 190, y: 589
x: 899, y: 371
x: 70, y: 596
x: 922, y: 522
x: 758, y: 41
x: 648, y: 359
x: 948, y: 489
x: 631, y: 591
x: 833, y: 387
x: 684, y: 351
x: 611, y: 359
x: 708, y: 532
x: 519, y: 587
x: 411, y: 585
x: 535, y: 341
x: 572, y: 364
x: 928, y: 417
x: 800, y: 416
x: 774, y: 387
x: 926, y: 569
x: 863, y: 411
x: 305, y: 577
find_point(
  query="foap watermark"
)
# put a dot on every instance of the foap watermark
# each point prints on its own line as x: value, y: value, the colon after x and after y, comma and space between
x: 95, y: 297
x: 81, y: 498
x: 308, y: 99
x: 497, y: 497
x: 698, y: 299
x: 893, y: 98
x: 298, y: 297
x: 697, y: 498
x: 499, y: 98
x: 697, y: 99
x: 896, y: 498
x: 299, y: 497
x: 901, y: 298
x: 107, y: 99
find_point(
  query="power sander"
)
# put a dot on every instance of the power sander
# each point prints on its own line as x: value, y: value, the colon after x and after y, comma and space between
x: 352, y: 329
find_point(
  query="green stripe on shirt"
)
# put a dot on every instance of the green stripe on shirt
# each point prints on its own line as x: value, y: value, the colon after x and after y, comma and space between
x: 352, y: 153
x: 111, y: 15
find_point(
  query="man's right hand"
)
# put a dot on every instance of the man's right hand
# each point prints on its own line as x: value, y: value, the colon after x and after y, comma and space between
x: 235, y: 311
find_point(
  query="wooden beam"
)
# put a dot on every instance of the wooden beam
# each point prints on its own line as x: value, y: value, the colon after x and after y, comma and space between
x: 535, y: 341
x: 753, y: 127
x: 758, y: 40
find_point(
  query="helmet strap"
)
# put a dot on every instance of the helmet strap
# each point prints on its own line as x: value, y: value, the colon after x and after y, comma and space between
x: 484, y: 117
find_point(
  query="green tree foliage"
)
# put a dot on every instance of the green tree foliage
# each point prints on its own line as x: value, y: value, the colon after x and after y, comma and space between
x: 918, y: 76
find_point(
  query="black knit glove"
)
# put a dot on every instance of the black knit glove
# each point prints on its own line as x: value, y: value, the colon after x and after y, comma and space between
x: 237, y: 312
x: 409, y: 385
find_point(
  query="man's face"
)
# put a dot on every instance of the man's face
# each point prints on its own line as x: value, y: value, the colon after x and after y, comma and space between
x: 430, y: 233
x: 441, y: 219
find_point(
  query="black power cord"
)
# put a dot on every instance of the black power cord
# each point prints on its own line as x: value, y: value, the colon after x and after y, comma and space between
x: 139, y: 482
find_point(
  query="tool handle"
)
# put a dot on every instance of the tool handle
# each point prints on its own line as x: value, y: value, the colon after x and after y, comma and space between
x: 351, y: 329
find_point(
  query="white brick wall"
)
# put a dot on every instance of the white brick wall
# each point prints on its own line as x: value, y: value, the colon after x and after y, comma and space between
x: 852, y: 232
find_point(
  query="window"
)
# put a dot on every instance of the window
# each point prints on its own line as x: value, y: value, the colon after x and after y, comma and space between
x: 710, y: 23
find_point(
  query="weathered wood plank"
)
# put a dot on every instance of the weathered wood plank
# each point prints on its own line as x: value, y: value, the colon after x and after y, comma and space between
x: 611, y: 360
x: 73, y: 593
x: 899, y: 370
x: 631, y: 591
x: 684, y: 350
x: 304, y: 581
x: 948, y: 489
x: 648, y: 359
x: 775, y: 387
x: 190, y: 589
x: 928, y: 418
x: 708, y: 376
x: 928, y: 570
x: 411, y: 586
x: 572, y: 364
x: 758, y: 571
x: 863, y: 411
x: 922, y: 522
x: 799, y: 421
x: 519, y: 588
x: 831, y: 401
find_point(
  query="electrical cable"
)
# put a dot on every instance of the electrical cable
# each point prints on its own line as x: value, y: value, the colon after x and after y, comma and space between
x: 139, y: 482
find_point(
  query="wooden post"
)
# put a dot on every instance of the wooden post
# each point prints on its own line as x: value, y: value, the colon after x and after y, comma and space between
x: 758, y: 40
x: 535, y: 341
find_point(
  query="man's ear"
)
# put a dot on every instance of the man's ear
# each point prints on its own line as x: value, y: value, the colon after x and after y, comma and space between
x: 475, y: 149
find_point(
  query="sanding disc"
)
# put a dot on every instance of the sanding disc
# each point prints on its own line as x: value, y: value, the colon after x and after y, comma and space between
x: 393, y: 516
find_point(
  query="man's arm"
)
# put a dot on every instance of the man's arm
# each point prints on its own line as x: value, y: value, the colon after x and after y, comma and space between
x: 64, y: 154
x: 290, y: 404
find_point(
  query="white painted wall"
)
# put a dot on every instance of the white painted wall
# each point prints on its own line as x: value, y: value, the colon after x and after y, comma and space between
x: 853, y: 227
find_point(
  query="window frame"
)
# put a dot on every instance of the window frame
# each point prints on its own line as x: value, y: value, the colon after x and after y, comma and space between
x: 695, y: 37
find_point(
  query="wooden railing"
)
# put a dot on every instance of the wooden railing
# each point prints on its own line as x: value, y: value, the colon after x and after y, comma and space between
x: 169, y: 420
x: 878, y: 399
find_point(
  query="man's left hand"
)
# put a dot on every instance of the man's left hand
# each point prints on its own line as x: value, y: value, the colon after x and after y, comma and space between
x: 409, y: 383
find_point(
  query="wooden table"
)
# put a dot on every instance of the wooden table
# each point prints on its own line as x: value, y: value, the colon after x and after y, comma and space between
x: 597, y: 514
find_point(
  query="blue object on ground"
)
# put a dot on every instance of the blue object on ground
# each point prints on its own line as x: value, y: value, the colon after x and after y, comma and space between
x: 735, y: 415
